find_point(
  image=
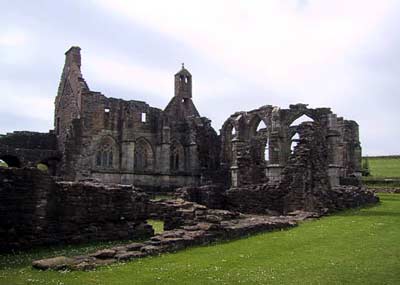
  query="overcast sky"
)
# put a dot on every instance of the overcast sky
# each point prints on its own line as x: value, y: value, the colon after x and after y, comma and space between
x: 242, y: 55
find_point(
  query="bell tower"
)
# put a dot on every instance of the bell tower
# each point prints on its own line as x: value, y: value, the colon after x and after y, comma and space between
x: 183, y: 83
x: 181, y: 105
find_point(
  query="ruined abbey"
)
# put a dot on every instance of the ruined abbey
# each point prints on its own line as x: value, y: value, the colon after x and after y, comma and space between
x: 105, y: 154
x: 129, y: 142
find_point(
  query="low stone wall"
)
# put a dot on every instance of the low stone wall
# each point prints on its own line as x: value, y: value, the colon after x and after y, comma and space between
x: 200, y: 225
x: 35, y: 210
x: 264, y: 199
x: 256, y: 199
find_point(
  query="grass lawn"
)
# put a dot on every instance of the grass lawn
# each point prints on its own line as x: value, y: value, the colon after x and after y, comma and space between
x: 353, y: 247
x: 381, y: 167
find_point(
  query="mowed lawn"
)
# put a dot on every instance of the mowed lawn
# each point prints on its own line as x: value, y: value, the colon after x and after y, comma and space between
x: 381, y: 167
x: 352, y: 247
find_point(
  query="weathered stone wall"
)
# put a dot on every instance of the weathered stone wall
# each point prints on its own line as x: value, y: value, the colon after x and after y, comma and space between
x: 20, y: 149
x: 212, y: 196
x: 129, y: 142
x: 256, y: 145
x: 35, y: 210
x: 304, y: 185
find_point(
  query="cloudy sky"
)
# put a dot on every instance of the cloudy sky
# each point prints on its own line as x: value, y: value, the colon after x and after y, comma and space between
x: 343, y: 54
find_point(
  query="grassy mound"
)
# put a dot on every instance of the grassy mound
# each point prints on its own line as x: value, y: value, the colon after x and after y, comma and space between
x: 353, y: 247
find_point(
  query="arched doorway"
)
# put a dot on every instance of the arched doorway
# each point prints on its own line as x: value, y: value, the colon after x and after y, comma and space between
x: 11, y: 160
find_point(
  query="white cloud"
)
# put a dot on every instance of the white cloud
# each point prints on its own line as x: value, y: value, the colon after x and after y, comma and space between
x: 25, y: 100
x: 273, y: 43
x: 118, y: 71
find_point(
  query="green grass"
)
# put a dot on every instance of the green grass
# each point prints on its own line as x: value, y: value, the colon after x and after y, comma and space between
x: 353, y: 247
x: 157, y: 225
x: 384, y: 167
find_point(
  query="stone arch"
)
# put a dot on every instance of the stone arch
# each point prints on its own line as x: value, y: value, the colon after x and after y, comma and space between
x: 257, y: 124
x: 144, y: 155
x: 228, y: 132
x: 11, y: 160
x: 177, y: 156
x: 52, y: 164
x: 106, y: 156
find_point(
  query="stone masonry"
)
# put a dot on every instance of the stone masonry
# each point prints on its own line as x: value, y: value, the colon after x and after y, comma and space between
x: 36, y: 210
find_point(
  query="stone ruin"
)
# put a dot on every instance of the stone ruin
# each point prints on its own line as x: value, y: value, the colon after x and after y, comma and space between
x: 268, y: 168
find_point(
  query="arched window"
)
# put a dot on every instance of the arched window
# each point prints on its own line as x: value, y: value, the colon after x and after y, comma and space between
x: 177, y: 159
x: 104, y: 157
x: 257, y: 126
x: 294, y: 141
x: 144, y: 157
x: 229, y: 132
x: 261, y: 126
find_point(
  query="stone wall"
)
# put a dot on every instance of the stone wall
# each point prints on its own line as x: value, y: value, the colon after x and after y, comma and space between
x: 212, y: 196
x: 19, y: 149
x: 304, y: 185
x: 35, y: 210
x: 256, y: 145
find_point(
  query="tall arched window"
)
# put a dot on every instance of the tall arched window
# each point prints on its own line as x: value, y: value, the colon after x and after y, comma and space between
x: 177, y: 157
x: 257, y: 126
x: 266, y: 151
x: 105, y: 154
x: 144, y: 157
x: 294, y: 141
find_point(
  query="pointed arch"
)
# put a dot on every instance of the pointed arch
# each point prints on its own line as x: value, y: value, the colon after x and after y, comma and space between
x: 294, y: 141
x: 301, y: 119
x: 177, y: 157
x: 106, y: 153
x: 144, y: 155
x: 230, y: 131
x: 256, y: 125
x: 52, y: 164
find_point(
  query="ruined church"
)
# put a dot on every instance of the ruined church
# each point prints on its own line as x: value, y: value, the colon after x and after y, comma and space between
x: 129, y: 142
